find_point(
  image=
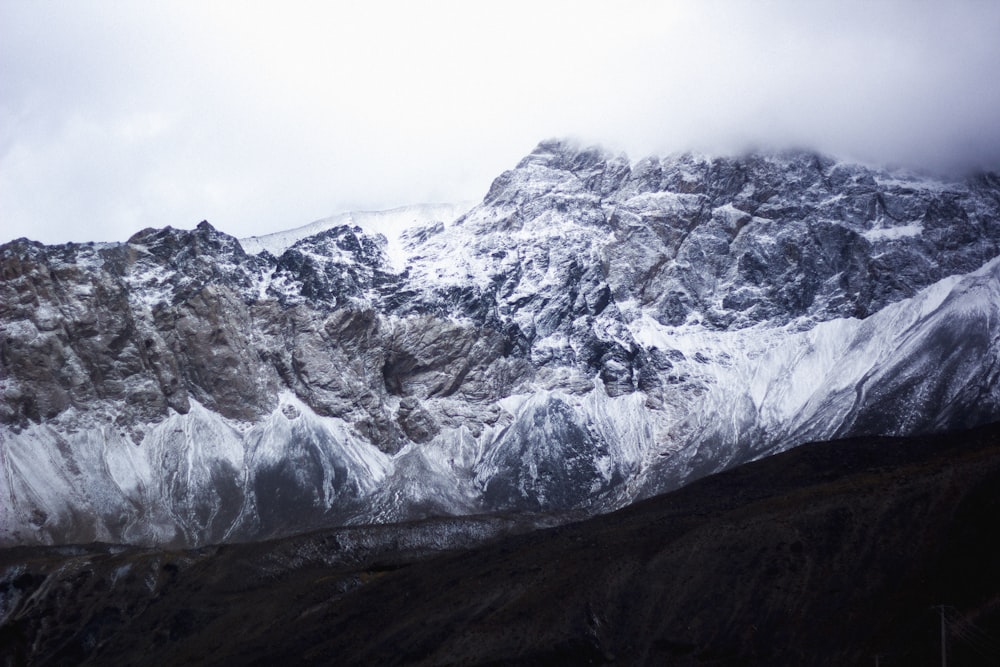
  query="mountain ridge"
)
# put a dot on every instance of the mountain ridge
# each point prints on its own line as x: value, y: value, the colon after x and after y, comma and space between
x: 595, y: 331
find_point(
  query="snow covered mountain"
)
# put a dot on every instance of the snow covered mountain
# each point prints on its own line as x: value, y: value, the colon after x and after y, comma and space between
x: 391, y: 224
x: 593, y: 332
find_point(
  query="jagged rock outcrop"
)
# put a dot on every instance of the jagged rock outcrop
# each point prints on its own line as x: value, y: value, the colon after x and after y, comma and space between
x: 594, y: 331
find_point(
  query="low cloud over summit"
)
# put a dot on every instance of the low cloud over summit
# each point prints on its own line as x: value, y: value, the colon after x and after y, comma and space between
x: 116, y: 117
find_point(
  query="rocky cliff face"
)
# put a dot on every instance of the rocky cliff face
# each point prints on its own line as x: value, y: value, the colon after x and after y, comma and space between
x: 594, y: 331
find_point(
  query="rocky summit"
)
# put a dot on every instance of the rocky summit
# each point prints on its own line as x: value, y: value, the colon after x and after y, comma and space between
x: 595, y: 331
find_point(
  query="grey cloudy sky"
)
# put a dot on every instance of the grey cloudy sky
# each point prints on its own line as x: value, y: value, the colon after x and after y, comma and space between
x: 115, y: 116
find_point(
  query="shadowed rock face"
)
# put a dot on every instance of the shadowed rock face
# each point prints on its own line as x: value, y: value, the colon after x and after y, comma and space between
x: 594, y: 331
x: 829, y: 554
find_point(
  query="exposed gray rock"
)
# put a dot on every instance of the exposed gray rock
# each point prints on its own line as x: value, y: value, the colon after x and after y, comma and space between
x: 594, y: 330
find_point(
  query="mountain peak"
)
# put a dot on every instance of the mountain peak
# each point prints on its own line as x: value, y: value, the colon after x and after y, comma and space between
x: 568, y: 154
x: 592, y: 331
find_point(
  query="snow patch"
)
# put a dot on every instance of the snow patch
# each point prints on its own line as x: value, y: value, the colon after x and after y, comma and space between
x: 894, y: 233
x: 390, y: 224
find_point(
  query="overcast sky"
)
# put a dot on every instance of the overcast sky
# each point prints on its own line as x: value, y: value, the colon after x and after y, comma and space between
x: 116, y: 116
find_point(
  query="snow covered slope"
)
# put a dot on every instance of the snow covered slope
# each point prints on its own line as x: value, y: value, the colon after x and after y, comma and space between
x: 390, y: 224
x: 595, y: 331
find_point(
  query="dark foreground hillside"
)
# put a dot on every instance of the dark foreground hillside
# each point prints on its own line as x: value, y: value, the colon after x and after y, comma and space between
x: 830, y: 554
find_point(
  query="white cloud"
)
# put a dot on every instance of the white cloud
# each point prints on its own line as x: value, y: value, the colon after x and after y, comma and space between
x: 258, y: 116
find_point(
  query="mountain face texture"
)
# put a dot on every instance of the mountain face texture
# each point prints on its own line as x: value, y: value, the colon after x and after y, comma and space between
x: 594, y: 332
x: 829, y: 554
